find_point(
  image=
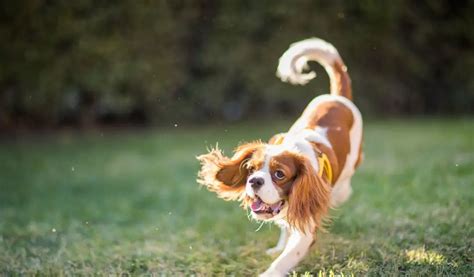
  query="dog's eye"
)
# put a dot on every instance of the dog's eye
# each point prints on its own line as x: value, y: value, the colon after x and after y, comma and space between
x: 279, y: 174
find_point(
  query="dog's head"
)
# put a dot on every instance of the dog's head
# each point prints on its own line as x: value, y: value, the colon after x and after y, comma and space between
x: 274, y: 181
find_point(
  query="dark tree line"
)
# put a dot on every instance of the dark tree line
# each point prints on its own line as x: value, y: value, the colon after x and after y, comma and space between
x: 93, y: 62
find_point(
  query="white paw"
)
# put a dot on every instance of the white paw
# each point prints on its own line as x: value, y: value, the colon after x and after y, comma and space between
x: 272, y: 273
x: 274, y: 250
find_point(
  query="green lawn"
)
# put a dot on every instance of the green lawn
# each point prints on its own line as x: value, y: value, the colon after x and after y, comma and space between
x: 127, y: 202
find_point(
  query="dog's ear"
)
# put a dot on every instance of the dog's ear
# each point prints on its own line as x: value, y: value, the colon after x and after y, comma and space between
x: 227, y: 176
x: 309, y: 198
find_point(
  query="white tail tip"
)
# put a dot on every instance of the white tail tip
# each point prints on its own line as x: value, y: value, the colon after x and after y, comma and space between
x: 294, y: 61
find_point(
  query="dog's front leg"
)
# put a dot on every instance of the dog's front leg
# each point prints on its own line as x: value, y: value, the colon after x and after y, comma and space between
x: 284, y: 234
x: 296, y: 248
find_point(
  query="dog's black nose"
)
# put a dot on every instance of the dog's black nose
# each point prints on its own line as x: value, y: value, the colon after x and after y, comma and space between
x: 256, y: 182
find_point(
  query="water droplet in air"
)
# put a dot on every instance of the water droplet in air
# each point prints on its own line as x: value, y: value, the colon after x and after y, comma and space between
x: 176, y: 125
x: 190, y: 247
x: 53, y: 230
x: 169, y: 213
x: 72, y: 168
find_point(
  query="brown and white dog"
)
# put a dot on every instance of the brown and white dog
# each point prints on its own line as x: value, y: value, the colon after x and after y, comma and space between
x: 297, y: 176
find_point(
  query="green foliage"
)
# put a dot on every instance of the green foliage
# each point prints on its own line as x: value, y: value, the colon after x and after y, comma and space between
x: 160, y: 61
x: 113, y: 203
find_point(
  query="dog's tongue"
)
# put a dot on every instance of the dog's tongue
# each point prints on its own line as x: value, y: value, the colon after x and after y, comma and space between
x: 256, y: 205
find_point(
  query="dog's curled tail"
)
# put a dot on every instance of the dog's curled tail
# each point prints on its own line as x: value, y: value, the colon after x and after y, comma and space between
x: 294, y: 61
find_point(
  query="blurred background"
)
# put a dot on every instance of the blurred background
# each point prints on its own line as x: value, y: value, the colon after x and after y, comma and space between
x: 92, y: 63
x: 104, y: 106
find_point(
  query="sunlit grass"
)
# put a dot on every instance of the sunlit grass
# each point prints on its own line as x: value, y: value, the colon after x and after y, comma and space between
x: 422, y: 256
x: 127, y: 203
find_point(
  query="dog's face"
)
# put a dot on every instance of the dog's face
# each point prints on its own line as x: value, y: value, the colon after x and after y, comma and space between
x: 272, y: 174
x: 273, y: 181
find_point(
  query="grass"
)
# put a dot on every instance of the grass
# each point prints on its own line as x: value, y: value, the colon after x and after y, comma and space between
x: 127, y: 202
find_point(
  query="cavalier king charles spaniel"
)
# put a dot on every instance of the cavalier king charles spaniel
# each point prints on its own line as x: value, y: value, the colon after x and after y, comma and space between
x: 297, y: 176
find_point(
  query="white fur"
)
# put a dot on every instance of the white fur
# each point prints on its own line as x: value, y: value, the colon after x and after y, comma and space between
x: 298, y: 139
x: 296, y: 248
x: 320, y: 134
x: 294, y: 60
x: 341, y: 192
x: 284, y: 234
x: 301, y: 123
x: 299, y: 143
x: 267, y: 192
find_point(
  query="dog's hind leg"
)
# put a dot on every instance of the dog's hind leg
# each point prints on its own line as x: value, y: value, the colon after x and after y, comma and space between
x: 281, y: 242
x: 341, y: 192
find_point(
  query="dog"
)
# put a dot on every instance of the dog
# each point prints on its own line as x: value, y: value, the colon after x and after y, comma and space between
x: 295, y: 178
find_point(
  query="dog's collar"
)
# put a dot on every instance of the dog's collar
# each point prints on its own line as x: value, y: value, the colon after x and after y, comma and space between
x: 279, y: 140
x: 324, y: 166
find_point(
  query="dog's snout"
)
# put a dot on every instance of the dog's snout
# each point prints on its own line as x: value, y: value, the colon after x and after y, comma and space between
x: 256, y: 182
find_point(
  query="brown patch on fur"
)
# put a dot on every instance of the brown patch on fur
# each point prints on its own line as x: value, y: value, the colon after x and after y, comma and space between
x: 336, y: 170
x: 227, y: 176
x: 341, y: 81
x: 286, y: 163
x: 309, y: 197
x: 257, y: 160
x: 338, y: 120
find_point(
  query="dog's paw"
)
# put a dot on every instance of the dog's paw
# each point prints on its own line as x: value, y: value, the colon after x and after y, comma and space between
x: 272, y: 273
x: 274, y: 250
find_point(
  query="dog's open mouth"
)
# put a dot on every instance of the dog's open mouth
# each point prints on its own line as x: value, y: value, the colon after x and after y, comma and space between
x: 260, y: 207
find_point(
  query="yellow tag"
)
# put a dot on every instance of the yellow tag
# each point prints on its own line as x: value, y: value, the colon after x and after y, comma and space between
x: 279, y: 140
x: 325, y: 165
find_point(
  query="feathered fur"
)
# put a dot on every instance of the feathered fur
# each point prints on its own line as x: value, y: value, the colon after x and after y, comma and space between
x: 294, y: 61
x: 226, y: 176
x: 309, y: 199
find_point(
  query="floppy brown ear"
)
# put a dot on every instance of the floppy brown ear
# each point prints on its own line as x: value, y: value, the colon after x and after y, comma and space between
x: 226, y: 176
x: 309, y: 198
